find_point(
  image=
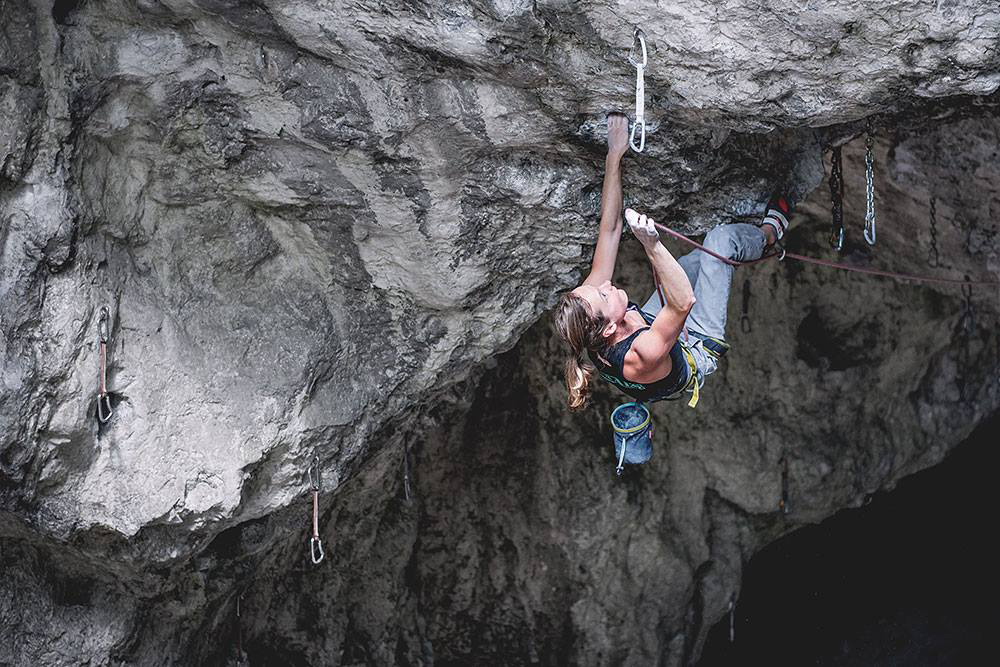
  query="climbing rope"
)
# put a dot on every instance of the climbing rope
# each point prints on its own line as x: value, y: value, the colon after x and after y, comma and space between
x: 781, y: 254
x: 932, y: 255
x: 315, y: 480
x: 639, y: 39
x: 870, y: 185
x: 745, y: 317
x: 783, y: 503
x: 837, y: 199
x: 104, y: 410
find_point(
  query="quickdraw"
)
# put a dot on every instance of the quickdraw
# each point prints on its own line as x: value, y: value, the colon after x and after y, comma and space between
x: 315, y: 482
x: 932, y: 255
x: 745, y: 316
x: 639, y: 126
x: 837, y: 199
x: 104, y: 410
x: 870, y: 186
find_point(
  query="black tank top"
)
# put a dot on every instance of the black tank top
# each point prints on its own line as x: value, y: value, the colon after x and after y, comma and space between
x: 614, y: 371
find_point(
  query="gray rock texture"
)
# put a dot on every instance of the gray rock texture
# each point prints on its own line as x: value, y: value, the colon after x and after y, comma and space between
x: 334, y: 229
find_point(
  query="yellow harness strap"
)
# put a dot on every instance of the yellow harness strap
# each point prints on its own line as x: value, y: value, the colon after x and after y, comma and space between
x: 693, y: 382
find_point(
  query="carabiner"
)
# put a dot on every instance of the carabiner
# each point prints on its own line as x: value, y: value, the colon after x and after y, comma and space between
x: 638, y: 38
x: 315, y: 474
x: 102, y: 325
x: 641, y: 126
x: 837, y: 240
x: 316, y: 550
x: 104, y: 410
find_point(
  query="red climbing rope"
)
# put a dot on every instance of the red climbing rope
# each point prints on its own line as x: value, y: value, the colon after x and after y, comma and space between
x: 824, y: 262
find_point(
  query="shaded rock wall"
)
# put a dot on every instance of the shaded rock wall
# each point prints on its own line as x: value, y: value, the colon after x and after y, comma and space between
x: 313, y: 225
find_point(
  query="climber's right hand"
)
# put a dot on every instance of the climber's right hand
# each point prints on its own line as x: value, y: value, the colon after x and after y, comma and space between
x: 643, y: 228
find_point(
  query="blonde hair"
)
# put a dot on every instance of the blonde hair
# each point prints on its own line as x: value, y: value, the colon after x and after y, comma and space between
x: 582, y: 330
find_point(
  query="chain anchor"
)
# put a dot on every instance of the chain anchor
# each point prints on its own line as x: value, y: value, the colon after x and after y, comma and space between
x: 870, y: 185
x: 933, y: 259
x: 837, y: 199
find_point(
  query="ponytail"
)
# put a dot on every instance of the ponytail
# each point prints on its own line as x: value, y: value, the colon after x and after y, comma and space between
x: 582, y: 331
x: 579, y: 371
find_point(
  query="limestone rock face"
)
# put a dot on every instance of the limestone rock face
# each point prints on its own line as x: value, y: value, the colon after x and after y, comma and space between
x: 316, y: 225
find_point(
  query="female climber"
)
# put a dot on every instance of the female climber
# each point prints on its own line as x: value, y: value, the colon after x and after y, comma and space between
x: 654, y: 353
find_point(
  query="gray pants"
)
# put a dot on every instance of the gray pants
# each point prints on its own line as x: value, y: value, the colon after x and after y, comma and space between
x: 711, y: 280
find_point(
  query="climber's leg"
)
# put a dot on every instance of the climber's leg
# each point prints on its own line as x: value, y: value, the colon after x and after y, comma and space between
x: 741, y: 242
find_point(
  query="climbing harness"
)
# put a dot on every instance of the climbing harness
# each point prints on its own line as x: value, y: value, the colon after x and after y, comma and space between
x: 104, y: 410
x: 745, y: 317
x: 837, y: 199
x: 783, y: 503
x: 639, y: 126
x: 633, y: 434
x: 406, y: 472
x: 781, y: 254
x: 692, y: 383
x: 315, y: 480
x: 732, y: 619
x: 932, y: 255
x: 870, y: 185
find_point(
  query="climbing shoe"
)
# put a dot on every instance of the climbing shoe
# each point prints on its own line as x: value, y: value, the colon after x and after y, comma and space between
x: 778, y: 210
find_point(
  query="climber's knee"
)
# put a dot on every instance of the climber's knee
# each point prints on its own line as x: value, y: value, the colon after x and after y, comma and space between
x: 721, y: 241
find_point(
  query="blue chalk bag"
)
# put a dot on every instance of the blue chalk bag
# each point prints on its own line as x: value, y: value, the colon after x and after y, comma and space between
x: 633, y: 427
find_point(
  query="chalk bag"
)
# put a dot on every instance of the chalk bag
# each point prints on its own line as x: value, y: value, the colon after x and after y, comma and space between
x: 633, y: 426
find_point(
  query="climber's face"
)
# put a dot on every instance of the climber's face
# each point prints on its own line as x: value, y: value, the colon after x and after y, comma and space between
x: 604, y: 299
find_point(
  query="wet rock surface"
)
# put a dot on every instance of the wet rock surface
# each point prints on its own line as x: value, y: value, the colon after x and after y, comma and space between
x: 316, y: 227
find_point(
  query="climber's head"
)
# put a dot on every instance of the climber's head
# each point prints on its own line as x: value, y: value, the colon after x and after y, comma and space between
x: 586, y: 318
x: 605, y: 300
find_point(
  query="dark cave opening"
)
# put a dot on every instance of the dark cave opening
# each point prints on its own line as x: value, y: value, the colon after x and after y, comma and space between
x: 909, y: 579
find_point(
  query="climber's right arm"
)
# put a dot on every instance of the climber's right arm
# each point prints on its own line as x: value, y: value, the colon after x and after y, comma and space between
x: 677, y: 292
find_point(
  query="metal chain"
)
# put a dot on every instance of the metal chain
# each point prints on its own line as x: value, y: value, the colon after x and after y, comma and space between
x: 870, y: 184
x: 745, y: 317
x: 837, y: 199
x: 932, y: 255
